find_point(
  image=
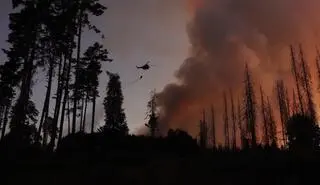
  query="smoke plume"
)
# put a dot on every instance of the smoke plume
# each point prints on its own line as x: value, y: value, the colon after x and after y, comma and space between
x: 226, y: 34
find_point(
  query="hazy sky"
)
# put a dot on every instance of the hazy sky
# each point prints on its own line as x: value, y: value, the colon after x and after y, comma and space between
x: 136, y: 31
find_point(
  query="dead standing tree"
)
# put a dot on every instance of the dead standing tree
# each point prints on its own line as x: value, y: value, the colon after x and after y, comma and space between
x: 296, y: 74
x: 226, y: 124
x: 213, y: 127
x: 203, y: 131
x: 284, y: 115
x: 233, y: 116
x: 265, y: 118
x: 250, y: 107
x: 306, y: 84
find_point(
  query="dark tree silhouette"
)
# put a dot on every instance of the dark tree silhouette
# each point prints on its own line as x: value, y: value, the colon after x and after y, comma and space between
x: 25, y: 26
x: 272, y: 129
x: 8, y: 80
x: 295, y: 107
x: 303, y: 133
x: 115, y: 119
x: 296, y: 74
x: 84, y: 9
x: 250, y: 107
x: 203, y: 131
x: 240, y: 125
x: 93, y: 57
x: 306, y: 84
x: 233, y: 116
x: 213, y: 127
x: 226, y: 124
x: 265, y: 118
x: 152, y: 114
x: 282, y: 103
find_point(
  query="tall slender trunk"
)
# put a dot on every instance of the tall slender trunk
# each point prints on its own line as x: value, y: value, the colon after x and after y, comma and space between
x: 93, y: 113
x: 307, y: 87
x: 282, y: 107
x: 75, y: 101
x: 20, y: 112
x: 318, y: 68
x: 5, y: 121
x: 46, y: 105
x: 81, y: 114
x: 272, y: 124
x: 226, y: 124
x: 85, y: 114
x: 57, y: 106
x: 213, y: 127
x: 203, y: 131
x: 65, y: 100
x: 242, y: 134
x: 265, y: 119
x: 294, y: 103
x: 234, y: 136
x: 250, y: 109
x: 69, y: 118
x: 2, y: 109
x: 296, y: 76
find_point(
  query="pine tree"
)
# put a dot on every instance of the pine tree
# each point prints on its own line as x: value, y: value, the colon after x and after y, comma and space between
x: 93, y: 57
x: 152, y: 114
x: 25, y: 26
x: 84, y: 9
x: 9, y: 79
x: 115, y: 119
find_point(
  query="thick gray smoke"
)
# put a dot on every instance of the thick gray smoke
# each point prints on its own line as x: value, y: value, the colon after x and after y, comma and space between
x: 225, y: 34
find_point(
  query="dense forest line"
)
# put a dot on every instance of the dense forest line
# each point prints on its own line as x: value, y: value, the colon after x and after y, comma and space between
x: 61, y: 148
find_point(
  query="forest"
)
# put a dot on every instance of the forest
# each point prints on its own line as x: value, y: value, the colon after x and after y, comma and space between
x: 38, y: 147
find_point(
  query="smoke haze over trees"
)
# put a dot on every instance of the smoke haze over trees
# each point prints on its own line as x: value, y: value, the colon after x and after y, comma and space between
x: 224, y: 36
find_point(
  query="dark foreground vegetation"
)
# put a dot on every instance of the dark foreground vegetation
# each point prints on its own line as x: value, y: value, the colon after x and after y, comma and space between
x: 62, y: 148
x: 176, y: 159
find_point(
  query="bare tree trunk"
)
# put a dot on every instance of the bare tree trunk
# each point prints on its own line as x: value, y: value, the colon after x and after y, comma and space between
x: 57, y: 106
x: 272, y: 124
x: 296, y: 76
x: 46, y: 105
x: 85, y: 114
x: 76, y: 85
x: 93, y: 113
x: 65, y: 101
x: 69, y: 119
x: 213, y: 127
x: 265, y: 120
x: 226, y: 124
x: 242, y: 134
x: 318, y: 68
x: 2, y: 109
x: 5, y: 121
x: 294, y: 103
x: 203, y: 132
x: 282, y: 108
x: 307, y: 85
x: 81, y: 114
x: 250, y: 110
x: 234, y: 134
